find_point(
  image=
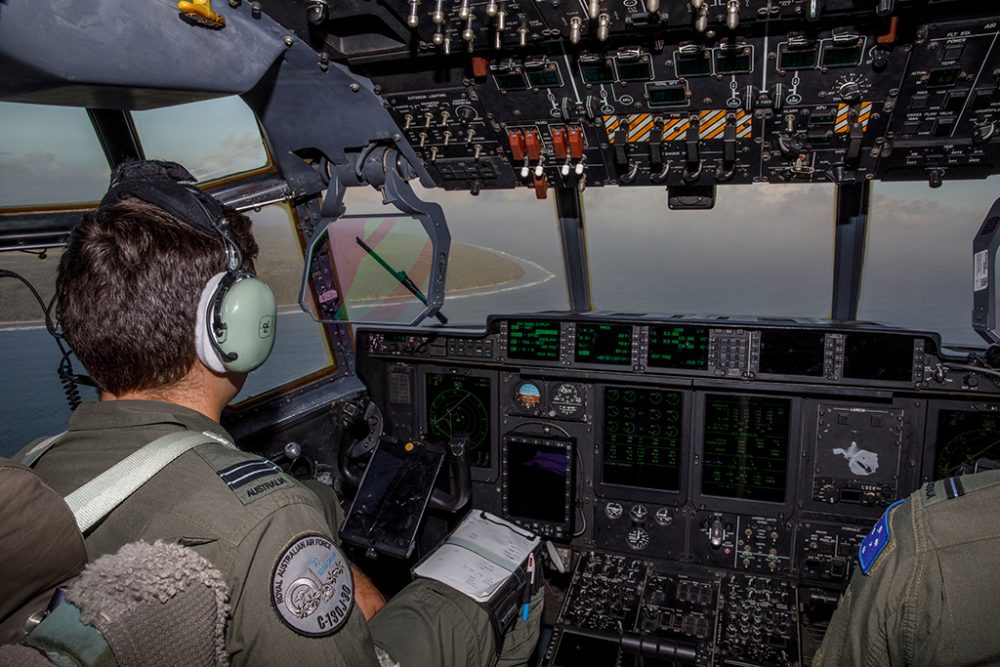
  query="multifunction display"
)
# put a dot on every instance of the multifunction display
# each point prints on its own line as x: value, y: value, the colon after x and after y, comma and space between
x: 459, y: 406
x: 538, y: 483
x: 681, y: 346
x: 534, y: 340
x: 792, y: 352
x: 964, y: 437
x: 878, y: 357
x: 642, y: 437
x: 604, y: 344
x: 746, y: 447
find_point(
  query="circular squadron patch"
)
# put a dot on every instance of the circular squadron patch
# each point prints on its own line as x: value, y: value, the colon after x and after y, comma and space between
x: 312, y: 587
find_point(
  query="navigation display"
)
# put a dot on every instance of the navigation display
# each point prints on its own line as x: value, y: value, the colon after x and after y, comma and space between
x: 681, y: 346
x: 538, y: 479
x: 878, y: 357
x: 964, y: 437
x: 604, y: 344
x: 792, y: 352
x: 534, y: 340
x: 746, y: 447
x: 642, y: 437
x: 459, y: 406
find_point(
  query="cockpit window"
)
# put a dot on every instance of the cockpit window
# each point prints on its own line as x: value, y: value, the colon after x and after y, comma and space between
x: 49, y: 156
x: 301, y: 347
x: 918, y: 267
x: 505, y: 256
x: 213, y: 139
x: 764, y: 250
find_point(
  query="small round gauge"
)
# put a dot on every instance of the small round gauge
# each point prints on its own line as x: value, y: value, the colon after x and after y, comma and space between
x: 613, y: 510
x: 528, y: 396
x: 568, y: 400
x: 637, y: 538
x: 664, y: 517
x: 639, y: 513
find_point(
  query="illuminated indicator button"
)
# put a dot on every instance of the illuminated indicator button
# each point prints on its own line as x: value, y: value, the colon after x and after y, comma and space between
x: 408, y: 447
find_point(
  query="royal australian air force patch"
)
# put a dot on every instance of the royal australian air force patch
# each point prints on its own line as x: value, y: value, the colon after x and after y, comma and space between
x: 312, y: 588
x: 878, y: 540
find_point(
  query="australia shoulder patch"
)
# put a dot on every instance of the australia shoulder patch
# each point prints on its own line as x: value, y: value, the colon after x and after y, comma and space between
x: 877, y: 541
x: 312, y: 588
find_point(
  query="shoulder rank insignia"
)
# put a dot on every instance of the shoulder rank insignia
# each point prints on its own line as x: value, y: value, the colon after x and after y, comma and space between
x: 312, y: 587
x: 245, y: 472
x: 875, y: 544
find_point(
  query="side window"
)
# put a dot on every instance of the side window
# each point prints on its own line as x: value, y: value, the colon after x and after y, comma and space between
x: 32, y: 401
x: 213, y: 139
x: 301, y: 346
x: 49, y: 156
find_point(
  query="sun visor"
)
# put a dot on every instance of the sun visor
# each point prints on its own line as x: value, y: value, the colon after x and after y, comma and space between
x: 129, y: 55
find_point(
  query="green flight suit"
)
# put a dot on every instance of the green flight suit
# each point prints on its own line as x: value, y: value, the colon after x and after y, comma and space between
x: 243, y: 530
x: 931, y: 595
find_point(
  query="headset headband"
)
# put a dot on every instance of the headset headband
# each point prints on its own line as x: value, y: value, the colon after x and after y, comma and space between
x: 171, y: 187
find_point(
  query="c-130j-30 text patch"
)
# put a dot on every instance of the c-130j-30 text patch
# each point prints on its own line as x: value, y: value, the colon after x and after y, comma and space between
x: 312, y: 588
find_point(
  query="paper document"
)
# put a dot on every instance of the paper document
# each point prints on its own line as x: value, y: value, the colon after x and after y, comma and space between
x: 479, y: 555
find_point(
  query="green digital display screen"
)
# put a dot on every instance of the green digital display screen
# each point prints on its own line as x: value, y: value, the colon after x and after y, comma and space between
x: 667, y: 95
x: 693, y: 64
x: 797, y: 58
x: 533, y: 340
x: 597, y: 72
x: 943, y: 78
x: 682, y: 346
x: 604, y: 344
x: 546, y: 78
x: 733, y: 62
x: 745, y: 452
x: 841, y: 56
x: 635, y: 71
x: 459, y: 406
x: 510, y: 81
x: 642, y: 437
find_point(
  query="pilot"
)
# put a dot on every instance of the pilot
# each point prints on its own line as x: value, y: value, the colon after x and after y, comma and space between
x: 927, y: 587
x: 135, y: 288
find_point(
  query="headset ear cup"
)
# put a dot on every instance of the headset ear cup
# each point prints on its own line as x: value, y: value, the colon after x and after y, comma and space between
x: 203, y: 344
x: 245, y: 310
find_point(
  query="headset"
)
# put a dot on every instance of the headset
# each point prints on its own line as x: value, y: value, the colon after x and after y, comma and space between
x: 237, y: 316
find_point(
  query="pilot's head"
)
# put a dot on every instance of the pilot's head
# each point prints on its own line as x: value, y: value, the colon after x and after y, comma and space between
x: 145, y: 274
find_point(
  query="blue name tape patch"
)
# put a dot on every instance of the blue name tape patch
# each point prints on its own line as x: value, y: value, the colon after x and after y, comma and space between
x: 877, y: 541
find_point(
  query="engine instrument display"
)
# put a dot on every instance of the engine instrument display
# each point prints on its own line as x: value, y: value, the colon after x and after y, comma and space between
x: 964, y: 437
x: 681, y: 346
x: 457, y: 406
x: 746, y: 447
x: 604, y: 344
x: 642, y: 437
x: 534, y: 340
x: 792, y: 352
x: 878, y: 357
x: 538, y: 483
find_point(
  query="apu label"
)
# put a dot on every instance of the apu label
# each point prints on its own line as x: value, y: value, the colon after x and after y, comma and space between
x: 312, y: 588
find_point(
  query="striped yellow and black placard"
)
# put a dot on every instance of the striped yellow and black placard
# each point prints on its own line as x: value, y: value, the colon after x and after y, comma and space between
x: 711, y: 125
x: 843, y: 125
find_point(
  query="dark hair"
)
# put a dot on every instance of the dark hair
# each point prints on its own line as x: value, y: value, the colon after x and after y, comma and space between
x: 128, y: 288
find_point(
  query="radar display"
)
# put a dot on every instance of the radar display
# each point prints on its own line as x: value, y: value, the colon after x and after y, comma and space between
x: 746, y: 447
x: 642, y: 437
x: 964, y: 437
x: 457, y: 406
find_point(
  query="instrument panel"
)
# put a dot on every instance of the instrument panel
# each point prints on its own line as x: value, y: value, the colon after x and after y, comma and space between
x: 694, y: 467
x: 507, y: 93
